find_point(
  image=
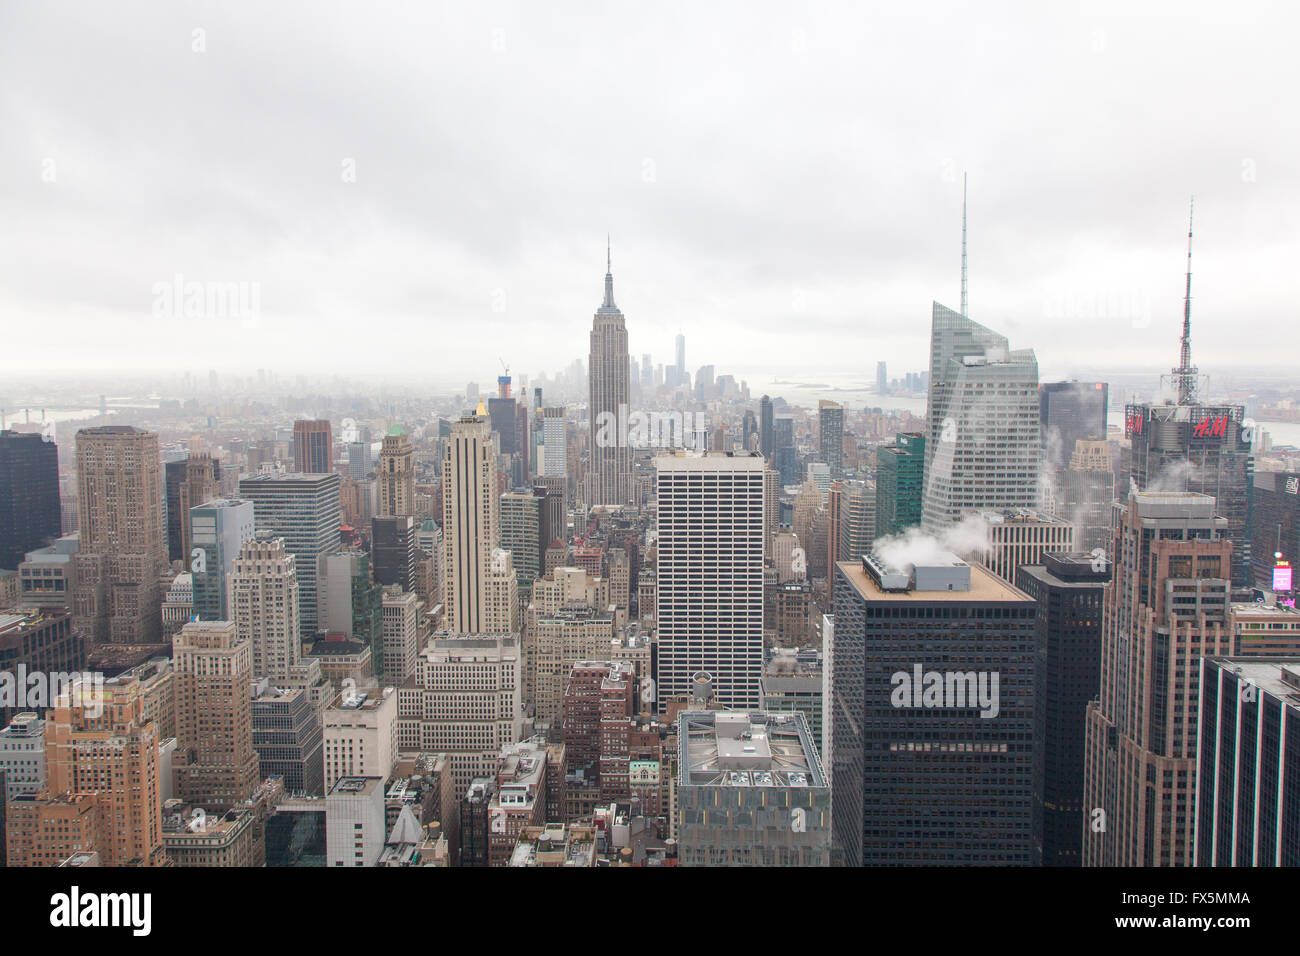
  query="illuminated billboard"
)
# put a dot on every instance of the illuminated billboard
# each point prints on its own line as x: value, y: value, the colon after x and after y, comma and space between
x: 1282, y: 577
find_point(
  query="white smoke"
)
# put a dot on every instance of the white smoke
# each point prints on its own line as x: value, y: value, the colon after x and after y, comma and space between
x: 1176, y: 476
x: 968, y: 539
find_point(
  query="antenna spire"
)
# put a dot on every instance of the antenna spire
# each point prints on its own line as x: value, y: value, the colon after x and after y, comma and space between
x: 608, y: 304
x: 1186, y: 373
x: 963, y: 244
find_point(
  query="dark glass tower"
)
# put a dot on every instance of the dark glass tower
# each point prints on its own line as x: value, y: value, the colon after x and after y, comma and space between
x: 920, y: 779
x: 900, y: 480
x: 29, y: 495
x: 1068, y: 589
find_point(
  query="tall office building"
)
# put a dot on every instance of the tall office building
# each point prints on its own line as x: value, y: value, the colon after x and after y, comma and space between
x: 679, y: 345
x: 287, y: 737
x: 1166, y: 608
x: 982, y: 445
x: 766, y: 417
x: 1085, y: 494
x: 400, y: 634
x: 29, y: 495
x: 555, y: 454
x: 123, y: 547
x: 1200, y: 449
x: 931, y: 715
x: 264, y: 606
x: 1274, y: 523
x: 1070, y: 412
x: 503, y: 414
x: 313, y: 447
x: 106, y: 745
x: 464, y: 701
x: 882, y: 378
x: 830, y: 433
x: 857, y: 523
x: 351, y: 604
x: 393, y: 550
x: 219, y: 529
x: 1069, y: 590
x: 189, y: 482
x: 710, y: 573
x: 302, y: 509
x: 396, y: 474
x: 521, y: 535
x: 1187, y: 443
x: 358, y: 459
x: 900, y: 483
x: 37, y: 642
x: 1248, y: 771
x: 471, y: 521
x: 784, y: 459
x: 216, y: 765
x: 1022, y: 537
x: 610, y: 472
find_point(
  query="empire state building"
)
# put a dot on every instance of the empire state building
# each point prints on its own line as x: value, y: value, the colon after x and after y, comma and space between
x: 609, y: 479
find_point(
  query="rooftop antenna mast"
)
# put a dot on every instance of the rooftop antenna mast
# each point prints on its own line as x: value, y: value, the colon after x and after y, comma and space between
x: 1186, y: 373
x: 963, y: 244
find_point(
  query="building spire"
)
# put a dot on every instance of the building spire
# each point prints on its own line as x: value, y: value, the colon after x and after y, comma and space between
x: 1186, y: 373
x: 608, y: 304
x: 963, y: 244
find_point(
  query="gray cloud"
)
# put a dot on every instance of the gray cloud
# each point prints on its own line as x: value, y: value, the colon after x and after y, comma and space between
x: 783, y: 182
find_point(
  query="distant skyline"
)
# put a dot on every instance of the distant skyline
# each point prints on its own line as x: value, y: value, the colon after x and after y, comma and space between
x: 425, y: 190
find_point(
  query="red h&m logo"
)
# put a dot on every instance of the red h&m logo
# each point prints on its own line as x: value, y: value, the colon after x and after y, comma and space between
x: 1133, y: 425
x: 1209, y: 427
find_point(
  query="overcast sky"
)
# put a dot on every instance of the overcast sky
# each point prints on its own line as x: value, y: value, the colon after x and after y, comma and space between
x: 428, y: 186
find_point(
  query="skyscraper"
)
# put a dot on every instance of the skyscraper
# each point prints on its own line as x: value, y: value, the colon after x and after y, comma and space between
x: 189, y: 482
x: 216, y: 765
x: 710, y: 573
x: 1069, y: 590
x: 680, y: 351
x: 123, y: 547
x: 900, y: 482
x: 471, y: 522
x: 765, y: 416
x: 784, y: 459
x: 313, y: 447
x: 29, y: 495
x: 1248, y: 774
x: 882, y: 378
x: 396, y: 474
x: 219, y: 529
x: 304, y: 510
x: 931, y: 715
x: 521, y: 535
x: 554, y: 444
x: 264, y: 606
x: 610, y: 473
x: 393, y: 551
x: 1190, y: 444
x: 108, y: 746
x: 982, y: 447
x: 830, y: 431
x: 1070, y: 412
x: 1166, y: 608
